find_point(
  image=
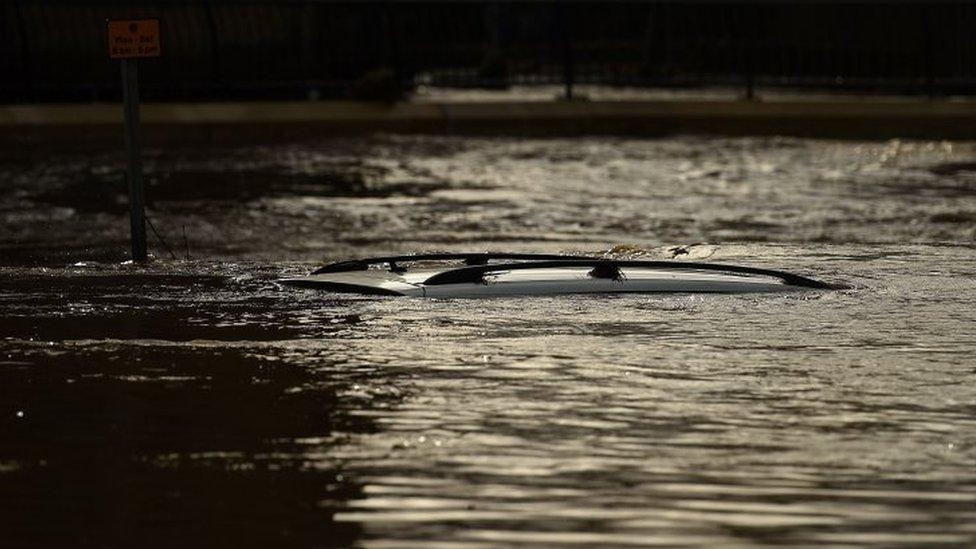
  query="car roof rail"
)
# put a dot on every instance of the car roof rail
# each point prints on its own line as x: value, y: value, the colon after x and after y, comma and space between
x: 604, y: 268
x: 470, y: 259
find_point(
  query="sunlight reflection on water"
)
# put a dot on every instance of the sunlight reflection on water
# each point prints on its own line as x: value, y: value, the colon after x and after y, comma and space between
x: 202, y: 388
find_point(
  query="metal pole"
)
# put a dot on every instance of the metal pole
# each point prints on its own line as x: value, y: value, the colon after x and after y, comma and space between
x: 130, y: 97
x: 27, y: 81
x: 929, y: 49
x: 565, y: 38
x: 747, y: 22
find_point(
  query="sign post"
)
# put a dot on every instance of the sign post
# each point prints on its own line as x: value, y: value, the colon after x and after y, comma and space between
x: 128, y: 41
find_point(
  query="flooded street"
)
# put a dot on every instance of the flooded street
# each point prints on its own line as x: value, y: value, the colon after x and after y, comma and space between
x: 195, y: 401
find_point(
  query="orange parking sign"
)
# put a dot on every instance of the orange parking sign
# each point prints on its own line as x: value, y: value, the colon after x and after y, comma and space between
x: 133, y: 38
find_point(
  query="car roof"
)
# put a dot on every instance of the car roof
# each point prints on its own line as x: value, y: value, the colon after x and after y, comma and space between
x: 542, y: 273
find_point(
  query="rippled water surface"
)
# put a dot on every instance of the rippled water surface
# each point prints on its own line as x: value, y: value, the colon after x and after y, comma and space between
x: 196, y: 402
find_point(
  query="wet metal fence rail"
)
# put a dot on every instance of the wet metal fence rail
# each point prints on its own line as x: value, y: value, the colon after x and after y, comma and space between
x: 283, y: 49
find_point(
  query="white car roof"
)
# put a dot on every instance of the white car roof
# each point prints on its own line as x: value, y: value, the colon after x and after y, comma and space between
x: 486, y: 274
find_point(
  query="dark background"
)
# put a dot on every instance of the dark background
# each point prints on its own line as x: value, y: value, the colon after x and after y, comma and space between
x: 283, y: 49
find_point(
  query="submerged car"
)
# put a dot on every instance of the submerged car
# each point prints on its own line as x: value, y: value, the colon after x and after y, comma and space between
x: 499, y: 274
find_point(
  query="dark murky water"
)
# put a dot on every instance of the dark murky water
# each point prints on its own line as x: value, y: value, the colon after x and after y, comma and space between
x: 196, y: 402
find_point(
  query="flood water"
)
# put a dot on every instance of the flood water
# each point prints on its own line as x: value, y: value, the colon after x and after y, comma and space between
x: 193, y: 401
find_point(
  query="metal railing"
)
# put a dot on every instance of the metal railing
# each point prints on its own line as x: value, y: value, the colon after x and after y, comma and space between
x: 235, y: 49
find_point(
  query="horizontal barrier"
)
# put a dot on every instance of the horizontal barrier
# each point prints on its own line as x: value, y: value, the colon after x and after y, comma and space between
x: 269, y: 120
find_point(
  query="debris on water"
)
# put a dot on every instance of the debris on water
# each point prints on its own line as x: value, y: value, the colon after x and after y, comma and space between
x: 698, y: 250
x: 678, y: 250
x: 626, y: 250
